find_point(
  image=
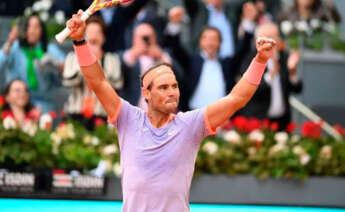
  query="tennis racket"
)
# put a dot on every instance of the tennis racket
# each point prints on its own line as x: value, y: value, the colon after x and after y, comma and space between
x: 95, y: 6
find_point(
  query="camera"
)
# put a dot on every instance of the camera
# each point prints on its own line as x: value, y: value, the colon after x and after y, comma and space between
x: 146, y: 39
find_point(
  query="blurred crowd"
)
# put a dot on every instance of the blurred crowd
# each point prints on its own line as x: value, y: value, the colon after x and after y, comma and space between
x: 209, y: 43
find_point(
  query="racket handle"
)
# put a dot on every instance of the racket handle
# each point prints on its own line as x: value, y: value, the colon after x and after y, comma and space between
x: 61, y: 36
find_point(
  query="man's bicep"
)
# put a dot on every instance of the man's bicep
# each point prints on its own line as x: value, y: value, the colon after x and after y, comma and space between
x: 220, y: 111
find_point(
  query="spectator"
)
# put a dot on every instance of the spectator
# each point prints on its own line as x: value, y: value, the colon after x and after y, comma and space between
x: 32, y: 60
x: 280, y: 80
x: 208, y: 76
x: 144, y: 53
x: 268, y: 9
x: 147, y: 14
x: 224, y: 16
x: 312, y: 9
x: 17, y: 103
x: 118, y: 19
x: 82, y: 104
x: 264, y: 16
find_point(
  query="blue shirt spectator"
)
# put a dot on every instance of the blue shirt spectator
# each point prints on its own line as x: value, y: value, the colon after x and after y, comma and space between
x: 218, y: 19
x: 33, y: 61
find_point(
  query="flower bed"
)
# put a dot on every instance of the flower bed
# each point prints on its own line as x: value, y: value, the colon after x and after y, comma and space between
x: 241, y: 146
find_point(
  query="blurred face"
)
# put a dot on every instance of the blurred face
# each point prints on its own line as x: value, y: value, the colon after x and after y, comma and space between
x: 164, y: 94
x: 95, y: 35
x: 18, y: 95
x: 34, y: 30
x: 305, y: 3
x: 270, y: 31
x: 210, y: 42
x: 216, y: 3
x: 144, y: 35
x: 260, y: 5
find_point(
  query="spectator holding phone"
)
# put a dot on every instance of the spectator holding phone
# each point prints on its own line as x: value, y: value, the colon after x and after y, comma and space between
x: 27, y: 55
x: 144, y: 53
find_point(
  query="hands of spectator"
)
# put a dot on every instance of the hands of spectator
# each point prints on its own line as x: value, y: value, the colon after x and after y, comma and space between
x: 249, y: 11
x: 11, y: 38
x: 266, y: 49
x: 13, y: 35
x: 61, y: 67
x: 77, y: 26
x: 138, y: 49
x: 176, y: 14
x: 156, y: 52
x: 293, y: 61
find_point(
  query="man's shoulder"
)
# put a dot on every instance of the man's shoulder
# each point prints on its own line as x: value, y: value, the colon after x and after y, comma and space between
x: 134, y: 111
x: 189, y: 116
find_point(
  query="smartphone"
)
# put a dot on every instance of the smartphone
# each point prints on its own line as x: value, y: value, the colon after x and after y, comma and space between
x: 146, y: 39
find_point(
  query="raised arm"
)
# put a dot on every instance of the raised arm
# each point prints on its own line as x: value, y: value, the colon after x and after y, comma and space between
x: 192, y: 7
x: 220, y: 111
x: 92, y: 71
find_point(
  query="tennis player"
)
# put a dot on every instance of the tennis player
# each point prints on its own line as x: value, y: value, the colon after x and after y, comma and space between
x: 158, y: 147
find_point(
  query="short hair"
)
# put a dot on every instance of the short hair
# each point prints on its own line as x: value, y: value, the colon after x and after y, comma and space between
x: 211, y: 28
x: 151, y: 69
x: 97, y: 20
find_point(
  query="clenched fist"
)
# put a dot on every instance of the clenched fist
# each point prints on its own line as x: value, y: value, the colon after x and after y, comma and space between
x: 265, y: 47
x: 77, y: 26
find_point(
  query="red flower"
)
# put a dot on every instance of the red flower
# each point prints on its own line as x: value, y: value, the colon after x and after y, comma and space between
x: 253, y: 124
x: 58, y: 171
x: 52, y: 114
x: 291, y: 127
x: 227, y: 125
x: 311, y: 129
x: 2, y: 101
x: 240, y: 123
x: 62, y: 124
x: 274, y: 126
x: 7, y: 113
x: 87, y: 113
x: 339, y: 129
x: 99, y: 122
x: 62, y: 114
x: 265, y: 124
x: 33, y: 114
x: 257, y: 144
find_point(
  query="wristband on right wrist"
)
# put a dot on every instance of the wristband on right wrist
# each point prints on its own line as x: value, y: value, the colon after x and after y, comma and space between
x: 79, y: 42
x: 84, y: 55
x: 254, y: 73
